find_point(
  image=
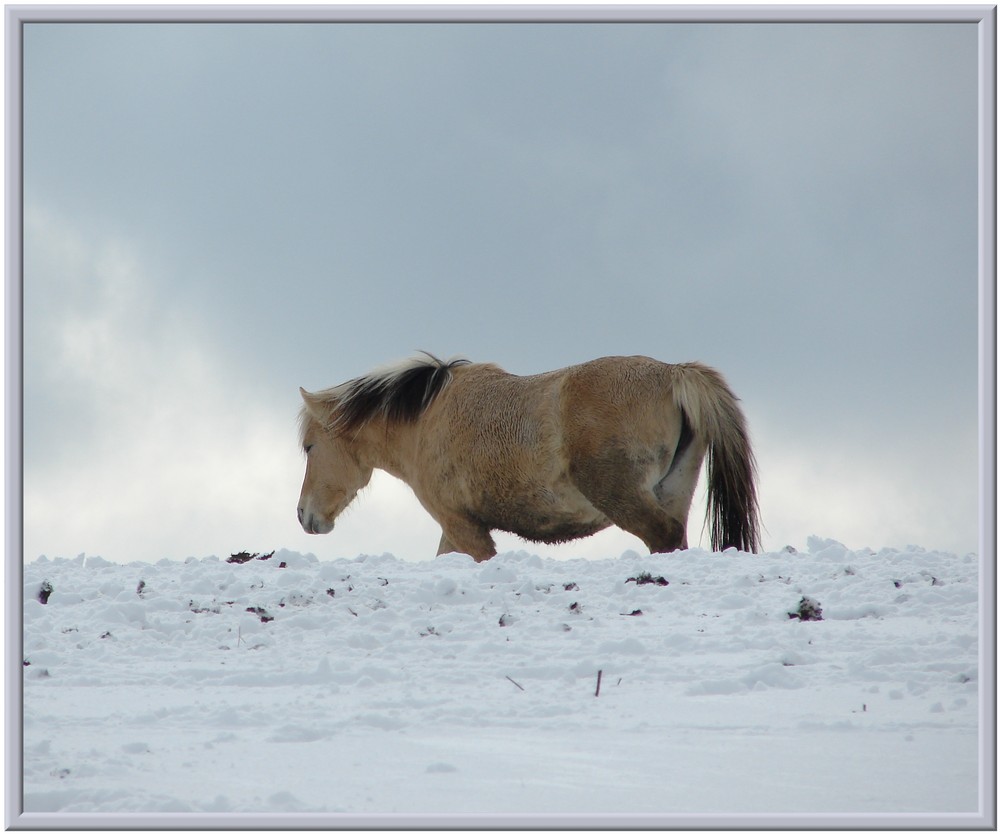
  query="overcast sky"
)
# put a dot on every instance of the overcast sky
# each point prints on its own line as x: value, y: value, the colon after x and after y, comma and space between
x: 217, y: 214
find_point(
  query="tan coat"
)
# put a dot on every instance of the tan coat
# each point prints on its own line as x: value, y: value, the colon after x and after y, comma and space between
x: 551, y: 457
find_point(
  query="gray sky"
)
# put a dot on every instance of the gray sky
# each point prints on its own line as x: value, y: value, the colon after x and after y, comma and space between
x: 216, y: 214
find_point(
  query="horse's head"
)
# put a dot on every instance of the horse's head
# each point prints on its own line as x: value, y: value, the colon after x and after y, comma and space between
x: 334, y: 475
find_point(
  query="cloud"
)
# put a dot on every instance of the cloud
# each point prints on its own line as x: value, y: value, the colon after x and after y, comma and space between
x: 250, y: 209
x: 866, y: 496
x: 138, y: 443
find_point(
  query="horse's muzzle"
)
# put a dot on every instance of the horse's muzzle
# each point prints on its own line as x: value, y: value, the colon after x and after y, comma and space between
x: 313, y: 524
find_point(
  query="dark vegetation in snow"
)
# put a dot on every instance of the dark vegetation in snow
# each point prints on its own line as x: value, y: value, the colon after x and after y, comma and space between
x: 646, y: 578
x: 243, y: 556
x: 260, y: 612
x: 808, y: 609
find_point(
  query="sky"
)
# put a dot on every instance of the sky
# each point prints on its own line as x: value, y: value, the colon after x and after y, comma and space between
x: 217, y: 214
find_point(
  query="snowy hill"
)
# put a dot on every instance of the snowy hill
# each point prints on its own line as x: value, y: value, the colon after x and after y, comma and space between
x: 829, y: 681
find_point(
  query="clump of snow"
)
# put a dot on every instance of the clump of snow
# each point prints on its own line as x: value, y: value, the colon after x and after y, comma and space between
x: 372, y: 685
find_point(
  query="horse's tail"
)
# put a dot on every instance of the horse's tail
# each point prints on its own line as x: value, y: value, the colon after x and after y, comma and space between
x: 713, y: 413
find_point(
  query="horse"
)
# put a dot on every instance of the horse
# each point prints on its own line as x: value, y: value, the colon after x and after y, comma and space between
x: 550, y: 457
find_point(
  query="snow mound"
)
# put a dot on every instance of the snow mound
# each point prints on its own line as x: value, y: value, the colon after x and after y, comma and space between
x: 372, y: 685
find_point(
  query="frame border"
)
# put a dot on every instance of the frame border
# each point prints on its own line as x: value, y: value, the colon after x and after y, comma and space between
x: 499, y: 13
x: 16, y: 16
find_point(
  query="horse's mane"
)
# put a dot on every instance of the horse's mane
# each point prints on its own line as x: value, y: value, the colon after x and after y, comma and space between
x: 400, y: 393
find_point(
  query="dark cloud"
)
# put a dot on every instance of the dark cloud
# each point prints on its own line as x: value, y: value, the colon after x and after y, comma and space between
x: 795, y: 204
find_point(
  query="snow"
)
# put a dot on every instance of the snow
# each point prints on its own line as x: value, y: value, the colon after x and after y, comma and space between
x: 373, y: 685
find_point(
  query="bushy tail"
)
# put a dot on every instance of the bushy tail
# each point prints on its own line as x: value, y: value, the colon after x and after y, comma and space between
x: 714, y: 414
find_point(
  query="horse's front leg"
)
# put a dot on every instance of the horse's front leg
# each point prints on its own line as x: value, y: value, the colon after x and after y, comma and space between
x: 462, y: 536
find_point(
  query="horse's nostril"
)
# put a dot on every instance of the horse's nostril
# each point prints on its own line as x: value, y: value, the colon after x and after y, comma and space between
x: 300, y: 514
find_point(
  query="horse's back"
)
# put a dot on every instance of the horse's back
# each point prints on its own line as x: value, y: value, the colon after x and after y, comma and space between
x: 611, y: 399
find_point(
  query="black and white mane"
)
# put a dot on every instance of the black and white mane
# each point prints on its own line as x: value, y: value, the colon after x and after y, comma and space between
x: 399, y: 392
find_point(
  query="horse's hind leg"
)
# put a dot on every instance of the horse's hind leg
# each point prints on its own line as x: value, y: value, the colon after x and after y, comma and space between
x: 662, y: 533
x: 618, y: 485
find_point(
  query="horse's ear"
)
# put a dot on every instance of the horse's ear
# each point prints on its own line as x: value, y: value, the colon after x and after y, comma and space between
x: 312, y: 404
x: 316, y: 407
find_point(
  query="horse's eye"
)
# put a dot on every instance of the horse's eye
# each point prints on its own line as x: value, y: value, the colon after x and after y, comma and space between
x: 307, y: 448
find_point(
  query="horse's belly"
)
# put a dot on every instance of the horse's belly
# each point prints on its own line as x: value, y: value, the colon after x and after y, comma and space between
x: 549, y: 516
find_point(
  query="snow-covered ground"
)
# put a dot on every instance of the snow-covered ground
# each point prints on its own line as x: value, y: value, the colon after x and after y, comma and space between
x: 376, y: 686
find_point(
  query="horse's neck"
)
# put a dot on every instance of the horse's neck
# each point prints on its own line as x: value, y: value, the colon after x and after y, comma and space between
x: 391, y: 448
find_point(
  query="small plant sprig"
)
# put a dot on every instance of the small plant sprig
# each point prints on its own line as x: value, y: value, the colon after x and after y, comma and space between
x: 646, y: 578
